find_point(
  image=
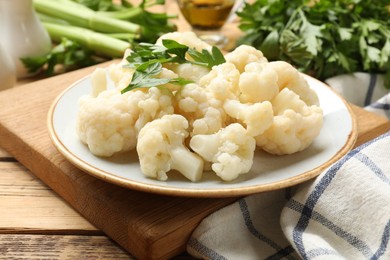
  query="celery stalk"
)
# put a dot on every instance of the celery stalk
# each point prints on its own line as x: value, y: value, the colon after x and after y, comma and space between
x: 81, y: 16
x: 122, y: 14
x: 95, y: 41
x: 50, y: 19
x: 123, y: 36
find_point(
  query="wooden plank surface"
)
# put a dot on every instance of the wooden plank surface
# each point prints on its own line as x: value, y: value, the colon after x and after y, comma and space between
x: 369, y: 125
x: 36, y: 223
x: 45, y: 247
x: 29, y: 206
x: 4, y: 155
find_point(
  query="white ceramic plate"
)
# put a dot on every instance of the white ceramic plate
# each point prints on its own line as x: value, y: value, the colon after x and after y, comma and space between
x: 269, y: 172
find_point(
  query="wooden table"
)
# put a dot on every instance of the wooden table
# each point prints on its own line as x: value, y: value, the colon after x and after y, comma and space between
x: 35, y: 223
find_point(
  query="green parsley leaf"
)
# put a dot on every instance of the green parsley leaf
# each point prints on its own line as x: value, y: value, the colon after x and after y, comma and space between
x: 175, y: 48
x: 148, y: 59
x: 207, y: 59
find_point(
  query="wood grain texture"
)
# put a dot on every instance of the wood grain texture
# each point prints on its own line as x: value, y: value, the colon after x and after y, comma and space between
x: 4, y: 156
x: 45, y: 247
x: 29, y: 206
x: 147, y: 225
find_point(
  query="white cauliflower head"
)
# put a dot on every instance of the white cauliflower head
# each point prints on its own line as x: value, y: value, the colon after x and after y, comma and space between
x: 212, y: 120
x: 203, y: 116
x: 230, y: 151
x: 243, y: 55
x: 98, y: 81
x: 222, y: 81
x: 257, y: 117
x: 294, y: 127
x: 157, y: 103
x: 106, y: 123
x: 289, y: 77
x: 190, y: 71
x: 187, y: 38
x: 168, y: 74
x: 258, y: 83
x: 161, y: 149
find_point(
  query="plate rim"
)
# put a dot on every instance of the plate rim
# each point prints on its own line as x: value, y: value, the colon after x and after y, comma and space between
x: 197, y: 192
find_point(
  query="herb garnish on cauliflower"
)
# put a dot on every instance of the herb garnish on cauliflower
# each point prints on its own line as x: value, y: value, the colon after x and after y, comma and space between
x: 185, y: 106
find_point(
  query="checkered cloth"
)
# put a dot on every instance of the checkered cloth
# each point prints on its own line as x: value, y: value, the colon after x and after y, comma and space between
x: 342, y: 214
x: 365, y: 90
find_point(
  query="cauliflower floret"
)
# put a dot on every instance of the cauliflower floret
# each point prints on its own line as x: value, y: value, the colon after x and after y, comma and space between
x: 222, y: 81
x: 161, y: 149
x: 168, y: 74
x: 106, y: 123
x: 157, y: 103
x: 230, y: 151
x: 190, y: 71
x: 204, y: 117
x: 187, y: 38
x: 289, y: 77
x: 209, y: 123
x: 294, y: 127
x: 257, y: 117
x: 258, y: 83
x: 98, y: 81
x: 243, y: 55
x: 192, y: 98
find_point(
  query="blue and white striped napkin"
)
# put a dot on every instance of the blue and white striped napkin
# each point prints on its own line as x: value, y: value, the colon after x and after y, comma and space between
x: 364, y: 90
x: 342, y: 214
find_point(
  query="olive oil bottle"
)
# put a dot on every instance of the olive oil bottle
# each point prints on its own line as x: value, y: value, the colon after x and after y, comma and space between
x: 206, y: 14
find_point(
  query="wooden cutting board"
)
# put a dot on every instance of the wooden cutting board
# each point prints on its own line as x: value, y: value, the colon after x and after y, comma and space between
x: 149, y: 226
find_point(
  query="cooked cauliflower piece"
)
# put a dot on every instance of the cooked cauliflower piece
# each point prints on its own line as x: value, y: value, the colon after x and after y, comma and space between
x: 157, y: 103
x: 258, y: 83
x: 187, y: 38
x: 294, y: 127
x: 243, y: 55
x: 230, y: 151
x: 222, y: 81
x: 190, y: 71
x: 204, y: 115
x: 106, y: 123
x: 98, y: 81
x: 289, y: 77
x: 257, y: 117
x: 161, y: 149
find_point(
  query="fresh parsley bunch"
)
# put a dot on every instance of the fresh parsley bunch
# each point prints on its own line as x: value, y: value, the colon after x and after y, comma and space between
x: 323, y: 38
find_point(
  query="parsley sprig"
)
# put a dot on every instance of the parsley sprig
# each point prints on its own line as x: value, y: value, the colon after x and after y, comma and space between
x: 148, y: 59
